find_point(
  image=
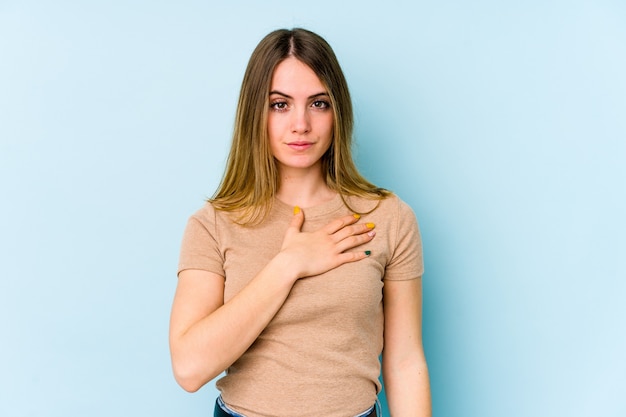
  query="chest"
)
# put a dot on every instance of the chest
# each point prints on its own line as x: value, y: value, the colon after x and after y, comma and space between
x: 351, y: 291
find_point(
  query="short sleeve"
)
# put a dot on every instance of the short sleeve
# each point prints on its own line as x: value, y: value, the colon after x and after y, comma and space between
x: 407, y: 259
x: 200, y: 247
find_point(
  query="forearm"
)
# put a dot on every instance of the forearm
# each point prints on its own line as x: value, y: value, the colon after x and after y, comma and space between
x: 212, y: 344
x: 407, y: 388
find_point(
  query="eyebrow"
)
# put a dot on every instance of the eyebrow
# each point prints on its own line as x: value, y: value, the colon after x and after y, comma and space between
x: 288, y: 96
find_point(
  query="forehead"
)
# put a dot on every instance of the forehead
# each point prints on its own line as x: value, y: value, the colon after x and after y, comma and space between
x: 294, y: 76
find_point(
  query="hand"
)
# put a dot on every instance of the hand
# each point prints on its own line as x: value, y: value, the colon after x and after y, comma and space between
x: 313, y: 253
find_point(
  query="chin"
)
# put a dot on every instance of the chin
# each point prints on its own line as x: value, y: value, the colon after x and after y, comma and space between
x: 300, y: 165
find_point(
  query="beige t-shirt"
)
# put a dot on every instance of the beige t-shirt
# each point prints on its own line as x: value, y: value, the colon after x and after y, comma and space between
x: 319, y: 354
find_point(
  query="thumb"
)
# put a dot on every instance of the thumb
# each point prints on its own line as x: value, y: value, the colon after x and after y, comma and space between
x: 297, y: 220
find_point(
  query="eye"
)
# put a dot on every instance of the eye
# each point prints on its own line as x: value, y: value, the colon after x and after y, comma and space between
x: 320, y: 104
x: 278, y: 105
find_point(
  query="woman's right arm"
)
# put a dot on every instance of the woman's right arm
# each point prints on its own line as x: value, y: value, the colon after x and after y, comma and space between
x: 208, y: 335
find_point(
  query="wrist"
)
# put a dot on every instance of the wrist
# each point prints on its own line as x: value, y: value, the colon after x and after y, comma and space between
x: 284, y: 268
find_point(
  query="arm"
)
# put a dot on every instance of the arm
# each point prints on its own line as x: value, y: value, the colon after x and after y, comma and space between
x: 208, y: 335
x: 405, y: 372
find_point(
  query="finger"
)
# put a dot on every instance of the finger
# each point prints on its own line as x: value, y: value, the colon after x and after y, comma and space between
x: 355, y: 240
x: 347, y: 257
x: 340, y: 223
x: 355, y: 229
x: 297, y: 220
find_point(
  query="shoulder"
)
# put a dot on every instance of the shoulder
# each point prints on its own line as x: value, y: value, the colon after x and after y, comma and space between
x: 395, y: 205
x: 208, y: 226
x: 391, y: 214
x: 205, y: 214
x: 398, y: 215
x: 208, y: 214
x: 391, y: 205
x: 207, y: 221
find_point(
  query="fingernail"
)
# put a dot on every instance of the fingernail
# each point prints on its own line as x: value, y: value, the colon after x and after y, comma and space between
x: 356, y: 216
x: 368, y: 252
x: 370, y: 225
x: 296, y: 210
x: 371, y: 234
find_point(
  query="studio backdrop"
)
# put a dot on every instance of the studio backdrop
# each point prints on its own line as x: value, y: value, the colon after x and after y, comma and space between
x: 502, y: 124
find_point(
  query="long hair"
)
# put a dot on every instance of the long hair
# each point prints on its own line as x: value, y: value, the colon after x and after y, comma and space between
x: 251, y: 177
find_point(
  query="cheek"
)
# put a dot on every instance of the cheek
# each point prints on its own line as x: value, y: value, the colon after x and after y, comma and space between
x: 273, y: 128
x: 328, y: 132
x: 326, y: 124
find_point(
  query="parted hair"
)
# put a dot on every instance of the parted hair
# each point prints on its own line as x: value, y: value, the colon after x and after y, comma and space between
x: 251, y: 178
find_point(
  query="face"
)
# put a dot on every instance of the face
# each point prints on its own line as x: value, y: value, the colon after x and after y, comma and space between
x: 300, y: 121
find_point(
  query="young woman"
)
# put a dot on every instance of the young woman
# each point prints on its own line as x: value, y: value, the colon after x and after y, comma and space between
x: 299, y: 273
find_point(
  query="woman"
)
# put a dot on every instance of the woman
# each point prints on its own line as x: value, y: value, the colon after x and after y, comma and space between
x: 284, y: 272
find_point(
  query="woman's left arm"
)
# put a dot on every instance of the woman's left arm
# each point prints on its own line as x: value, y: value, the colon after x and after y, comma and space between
x: 405, y: 372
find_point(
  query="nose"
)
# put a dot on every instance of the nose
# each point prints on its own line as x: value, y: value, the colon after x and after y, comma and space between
x: 300, y: 121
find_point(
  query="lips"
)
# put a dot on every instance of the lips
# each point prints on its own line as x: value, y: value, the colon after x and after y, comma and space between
x: 300, y: 145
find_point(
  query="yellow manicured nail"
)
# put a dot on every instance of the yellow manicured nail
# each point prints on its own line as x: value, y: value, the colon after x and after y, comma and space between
x: 296, y: 210
x: 356, y: 216
x: 370, y: 225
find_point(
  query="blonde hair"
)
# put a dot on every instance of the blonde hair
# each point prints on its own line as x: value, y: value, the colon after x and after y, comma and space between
x: 251, y: 178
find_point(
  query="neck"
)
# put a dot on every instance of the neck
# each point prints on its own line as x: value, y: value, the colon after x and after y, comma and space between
x: 303, y: 189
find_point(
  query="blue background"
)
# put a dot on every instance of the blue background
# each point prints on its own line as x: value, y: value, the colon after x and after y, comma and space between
x: 503, y: 124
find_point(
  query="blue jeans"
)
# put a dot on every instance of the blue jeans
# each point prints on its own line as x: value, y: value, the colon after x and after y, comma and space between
x: 222, y: 410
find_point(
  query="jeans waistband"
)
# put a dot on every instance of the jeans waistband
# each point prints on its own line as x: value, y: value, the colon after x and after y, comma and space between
x: 222, y: 410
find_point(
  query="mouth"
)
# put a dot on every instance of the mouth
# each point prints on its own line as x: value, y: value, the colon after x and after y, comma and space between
x: 300, y: 145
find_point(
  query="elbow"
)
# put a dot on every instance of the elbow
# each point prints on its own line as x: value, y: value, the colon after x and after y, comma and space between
x: 188, y: 384
x: 413, y: 361
x: 190, y: 378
